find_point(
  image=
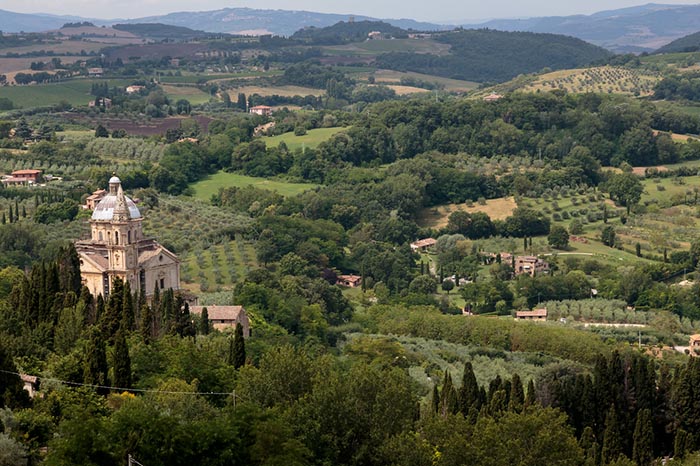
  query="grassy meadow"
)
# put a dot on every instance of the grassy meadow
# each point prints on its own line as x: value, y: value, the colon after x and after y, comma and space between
x: 209, y: 186
x: 73, y: 91
x: 311, y: 139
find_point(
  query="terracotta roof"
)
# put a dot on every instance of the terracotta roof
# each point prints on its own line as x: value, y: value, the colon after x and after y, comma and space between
x: 421, y: 243
x: 260, y: 107
x: 534, y: 313
x: 695, y: 337
x: 219, y: 312
x: 26, y: 172
x: 28, y: 378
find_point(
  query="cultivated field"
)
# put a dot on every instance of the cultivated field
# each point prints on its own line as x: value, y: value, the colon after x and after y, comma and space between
x: 450, y: 85
x: 74, y: 91
x: 496, y: 209
x: 311, y: 139
x: 193, y: 94
x: 209, y: 186
x: 603, y: 79
x: 284, y: 91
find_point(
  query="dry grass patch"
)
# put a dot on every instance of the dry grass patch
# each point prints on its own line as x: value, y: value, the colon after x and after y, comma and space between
x: 405, y: 90
x: 496, y: 209
x: 285, y: 91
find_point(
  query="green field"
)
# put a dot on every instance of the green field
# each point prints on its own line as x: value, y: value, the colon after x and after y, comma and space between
x: 74, y: 91
x: 195, y: 78
x: 209, y: 186
x: 191, y: 93
x: 311, y: 139
x: 668, y: 190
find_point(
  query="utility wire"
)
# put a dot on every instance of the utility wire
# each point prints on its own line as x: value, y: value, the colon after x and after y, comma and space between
x: 122, y: 389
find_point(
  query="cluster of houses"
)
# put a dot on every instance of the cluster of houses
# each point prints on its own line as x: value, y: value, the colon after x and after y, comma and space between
x: 530, y: 265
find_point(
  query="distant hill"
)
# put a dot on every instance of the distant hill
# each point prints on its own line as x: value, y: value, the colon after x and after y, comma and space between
x: 159, y: 31
x: 17, y: 22
x: 639, y: 28
x: 486, y: 55
x: 689, y: 43
x: 343, y: 32
x: 278, y: 22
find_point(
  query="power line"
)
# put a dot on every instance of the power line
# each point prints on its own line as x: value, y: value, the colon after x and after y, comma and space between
x: 122, y: 389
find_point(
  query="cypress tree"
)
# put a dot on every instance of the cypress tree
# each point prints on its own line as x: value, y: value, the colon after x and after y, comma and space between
x: 643, y: 449
x: 122, y: 363
x: 99, y: 308
x: 612, y: 439
x: 204, y: 322
x: 468, y: 394
x: 12, y: 215
x: 24, y: 212
x: 681, y: 444
x: 436, y: 399
x: 3, y: 220
x: 531, y: 395
x: 239, y: 347
x: 517, y: 394
x: 128, y: 319
x: 112, y: 317
x: 147, y: 330
x: 95, y: 366
x: 590, y: 447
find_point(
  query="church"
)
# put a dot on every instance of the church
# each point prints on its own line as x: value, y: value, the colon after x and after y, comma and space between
x: 117, y: 248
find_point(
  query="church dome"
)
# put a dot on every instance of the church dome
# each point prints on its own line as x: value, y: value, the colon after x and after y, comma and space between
x: 104, y: 210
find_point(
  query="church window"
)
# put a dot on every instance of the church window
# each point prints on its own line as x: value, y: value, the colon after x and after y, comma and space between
x: 116, y: 237
x: 99, y: 235
x: 162, y: 283
x: 128, y: 238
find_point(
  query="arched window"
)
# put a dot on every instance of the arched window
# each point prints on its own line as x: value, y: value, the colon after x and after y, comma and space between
x: 99, y: 235
x: 128, y: 237
x: 116, y: 237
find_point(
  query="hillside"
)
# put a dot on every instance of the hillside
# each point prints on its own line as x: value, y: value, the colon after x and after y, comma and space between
x: 278, y: 22
x: 634, y: 29
x: 16, y: 22
x: 689, y: 43
x: 343, y: 32
x: 599, y: 79
x: 161, y: 31
x: 488, y: 55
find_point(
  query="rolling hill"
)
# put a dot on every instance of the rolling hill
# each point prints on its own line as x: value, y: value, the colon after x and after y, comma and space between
x: 689, y: 43
x: 486, y: 55
x: 634, y: 29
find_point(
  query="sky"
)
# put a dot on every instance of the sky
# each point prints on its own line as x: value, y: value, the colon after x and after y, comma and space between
x: 451, y: 11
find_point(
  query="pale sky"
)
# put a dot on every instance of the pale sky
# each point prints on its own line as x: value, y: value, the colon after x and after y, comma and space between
x: 432, y: 10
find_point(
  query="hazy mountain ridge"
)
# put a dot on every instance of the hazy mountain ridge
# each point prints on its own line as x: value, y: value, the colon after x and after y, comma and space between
x: 644, y: 27
x: 639, y: 28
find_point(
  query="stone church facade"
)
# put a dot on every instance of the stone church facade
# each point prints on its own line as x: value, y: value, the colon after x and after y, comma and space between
x: 118, y: 248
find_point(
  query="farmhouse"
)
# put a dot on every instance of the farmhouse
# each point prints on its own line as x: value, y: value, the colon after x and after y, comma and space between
x: 531, y: 265
x: 117, y: 248
x: 95, y: 72
x: 263, y: 110
x: 222, y: 317
x: 537, y: 314
x: 101, y: 102
x: 133, y: 89
x: 422, y: 245
x: 350, y: 281
x: 23, y: 178
x: 94, y: 199
x: 694, y: 344
x: 493, y: 97
x: 374, y: 35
